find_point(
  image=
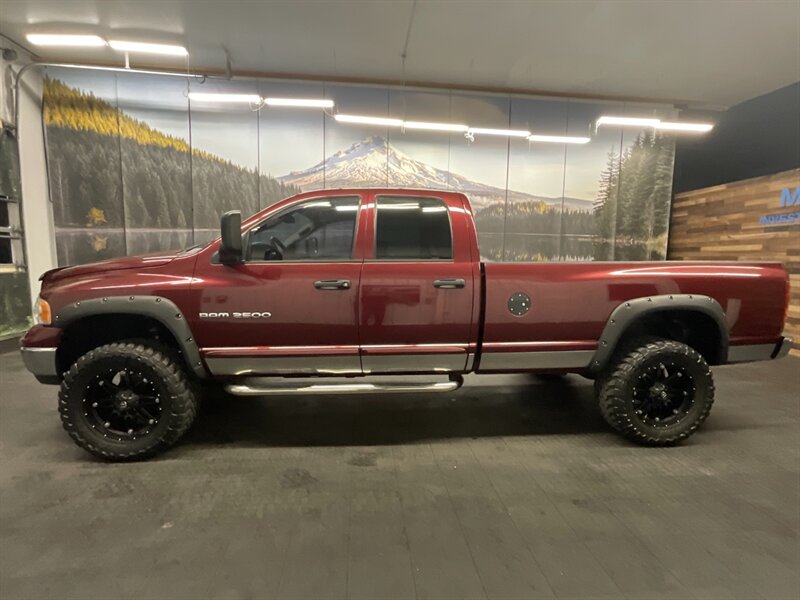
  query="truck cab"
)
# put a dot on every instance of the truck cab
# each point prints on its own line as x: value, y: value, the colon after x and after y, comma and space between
x: 348, y: 282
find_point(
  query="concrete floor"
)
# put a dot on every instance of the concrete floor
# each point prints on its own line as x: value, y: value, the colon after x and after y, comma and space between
x: 510, y: 488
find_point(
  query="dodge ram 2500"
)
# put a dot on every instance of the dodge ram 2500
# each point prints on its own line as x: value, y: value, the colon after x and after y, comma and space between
x: 354, y: 285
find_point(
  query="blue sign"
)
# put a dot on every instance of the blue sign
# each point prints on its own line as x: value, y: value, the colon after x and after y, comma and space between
x: 788, y: 198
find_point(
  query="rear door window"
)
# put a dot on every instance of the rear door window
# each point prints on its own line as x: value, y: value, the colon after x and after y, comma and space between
x: 408, y: 228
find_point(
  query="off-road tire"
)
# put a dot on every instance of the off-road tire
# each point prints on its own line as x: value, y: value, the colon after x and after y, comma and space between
x: 177, y: 397
x: 616, y: 392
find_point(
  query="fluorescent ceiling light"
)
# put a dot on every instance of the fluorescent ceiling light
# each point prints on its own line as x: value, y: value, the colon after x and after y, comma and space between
x: 508, y: 132
x: 656, y: 123
x: 300, y: 102
x: 368, y: 120
x: 693, y: 127
x: 45, y: 39
x: 125, y: 46
x: 232, y: 98
x: 559, y: 139
x: 435, y: 126
x: 633, y: 121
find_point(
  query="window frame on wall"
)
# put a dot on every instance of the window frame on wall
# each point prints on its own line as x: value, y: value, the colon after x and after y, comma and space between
x: 11, y: 232
x: 15, y: 300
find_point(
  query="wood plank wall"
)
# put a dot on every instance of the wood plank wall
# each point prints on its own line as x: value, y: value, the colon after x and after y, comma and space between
x: 724, y: 223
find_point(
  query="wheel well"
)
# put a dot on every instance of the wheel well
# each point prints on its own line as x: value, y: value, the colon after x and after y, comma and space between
x: 91, y: 332
x: 693, y: 328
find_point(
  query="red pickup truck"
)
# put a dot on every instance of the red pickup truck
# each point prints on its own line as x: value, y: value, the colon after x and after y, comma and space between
x: 354, y: 285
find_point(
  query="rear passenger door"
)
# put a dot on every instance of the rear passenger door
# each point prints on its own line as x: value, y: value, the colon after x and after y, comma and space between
x: 417, y: 290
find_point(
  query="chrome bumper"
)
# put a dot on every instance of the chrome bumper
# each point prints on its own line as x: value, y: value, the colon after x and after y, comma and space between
x: 755, y: 352
x: 41, y: 362
x: 782, y: 348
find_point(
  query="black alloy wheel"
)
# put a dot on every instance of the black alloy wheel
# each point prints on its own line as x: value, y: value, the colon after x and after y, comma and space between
x: 122, y: 404
x: 127, y: 400
x: 664, y: 393
x: 656, y: 392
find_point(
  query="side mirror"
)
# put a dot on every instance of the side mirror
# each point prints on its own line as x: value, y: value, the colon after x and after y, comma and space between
x: 230, y: 251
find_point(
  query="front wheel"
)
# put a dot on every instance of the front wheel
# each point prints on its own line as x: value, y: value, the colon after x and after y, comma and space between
x: 126, y: 401
x: 657, y: 394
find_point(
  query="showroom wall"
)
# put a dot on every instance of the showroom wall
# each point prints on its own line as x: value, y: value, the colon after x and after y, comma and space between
x: 738, y: 190
x: 756, y: 219
x: 758, y: 137
x: 135, y: 166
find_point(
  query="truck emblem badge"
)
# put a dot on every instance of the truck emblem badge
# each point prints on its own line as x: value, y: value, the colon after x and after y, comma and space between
x: 235, y: 315
x: 519, y: 304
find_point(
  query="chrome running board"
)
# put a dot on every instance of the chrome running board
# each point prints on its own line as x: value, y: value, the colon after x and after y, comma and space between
x: 343, y: 388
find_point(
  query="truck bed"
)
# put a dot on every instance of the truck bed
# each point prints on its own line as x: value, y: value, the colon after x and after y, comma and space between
x: 571, y: 303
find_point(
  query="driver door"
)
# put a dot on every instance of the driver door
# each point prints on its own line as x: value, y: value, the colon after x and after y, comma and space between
x: 291, y: 306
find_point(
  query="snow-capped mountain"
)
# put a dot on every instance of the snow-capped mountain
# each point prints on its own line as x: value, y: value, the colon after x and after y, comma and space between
x: 374, y: 162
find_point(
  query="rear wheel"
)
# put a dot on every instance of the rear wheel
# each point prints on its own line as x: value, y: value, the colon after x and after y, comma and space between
x: 658, y: 393
x: 126, y: 401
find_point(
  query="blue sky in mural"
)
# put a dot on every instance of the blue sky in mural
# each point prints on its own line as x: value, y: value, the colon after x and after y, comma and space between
x: 291, y: 139
x: 227, y: 130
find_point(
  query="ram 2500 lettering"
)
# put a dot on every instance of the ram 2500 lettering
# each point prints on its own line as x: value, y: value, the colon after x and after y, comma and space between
x: 360, y: 283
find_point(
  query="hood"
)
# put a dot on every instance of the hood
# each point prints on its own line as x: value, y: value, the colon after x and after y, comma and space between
x: 113, y: 264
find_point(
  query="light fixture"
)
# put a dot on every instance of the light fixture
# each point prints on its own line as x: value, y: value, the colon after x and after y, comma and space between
x: 368, y: 120
x: 146, y: 48
x: 299, y: 102
x: 229, y: 98
x: 692, y: 127
x: 559, y: 139
x: 46, y: 39
x: 656, y: 124
x: 628, y: 121
x: 506, y: 132
x: 435, y: 126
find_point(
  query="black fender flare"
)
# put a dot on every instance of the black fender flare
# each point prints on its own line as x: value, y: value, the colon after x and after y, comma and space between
x: 624, y: 315
x: 159, y: 308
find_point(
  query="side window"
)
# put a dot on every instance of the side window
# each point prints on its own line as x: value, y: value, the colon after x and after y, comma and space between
x: 409, y: 228
x: 320, y: 229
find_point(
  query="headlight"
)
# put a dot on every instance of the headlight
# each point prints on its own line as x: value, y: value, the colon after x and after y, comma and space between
x: 42, y: 313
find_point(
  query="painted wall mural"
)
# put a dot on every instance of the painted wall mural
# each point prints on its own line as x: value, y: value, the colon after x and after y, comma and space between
x: 135, y: 166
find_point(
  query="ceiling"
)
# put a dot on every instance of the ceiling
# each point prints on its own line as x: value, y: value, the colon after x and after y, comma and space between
x: 706, y: 54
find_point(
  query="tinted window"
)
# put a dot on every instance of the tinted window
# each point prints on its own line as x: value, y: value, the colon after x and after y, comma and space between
x: 412, y: 228
x: 320, y: 229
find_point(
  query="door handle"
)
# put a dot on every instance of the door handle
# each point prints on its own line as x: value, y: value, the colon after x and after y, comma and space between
x: 332, y: 284
x: 449, y: 284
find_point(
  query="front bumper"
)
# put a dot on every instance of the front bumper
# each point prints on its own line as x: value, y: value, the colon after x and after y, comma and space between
x: 42, y: 363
